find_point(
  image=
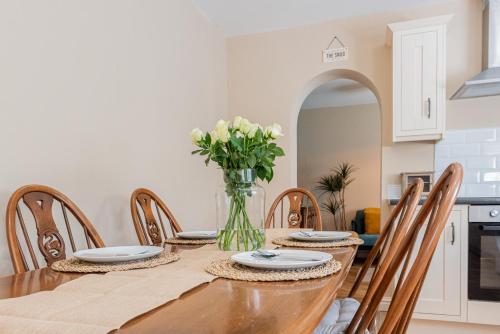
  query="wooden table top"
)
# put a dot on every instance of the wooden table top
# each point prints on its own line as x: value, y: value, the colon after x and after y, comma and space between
x: 222, y: 306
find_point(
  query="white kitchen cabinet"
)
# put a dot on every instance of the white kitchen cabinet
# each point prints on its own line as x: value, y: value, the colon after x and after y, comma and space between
x: 419, y: 78
x: 444, y: 292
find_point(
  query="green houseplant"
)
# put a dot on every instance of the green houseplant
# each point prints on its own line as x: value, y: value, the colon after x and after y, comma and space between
x: 245, y: 152
x: 334, y: 187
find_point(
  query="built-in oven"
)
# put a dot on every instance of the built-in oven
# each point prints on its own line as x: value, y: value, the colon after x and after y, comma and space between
x: 484, y: 252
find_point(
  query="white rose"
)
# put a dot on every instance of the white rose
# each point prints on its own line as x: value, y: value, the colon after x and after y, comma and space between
x: 274, y: 131
x: 237, y: 122
x: 196, y: 136
x: 253, y: 130
x: 221, y: 124
x: 213, y: 137
x: 223, y: 136
x: 222, y: 130
x: 239, y: 134
x: 245, y: 125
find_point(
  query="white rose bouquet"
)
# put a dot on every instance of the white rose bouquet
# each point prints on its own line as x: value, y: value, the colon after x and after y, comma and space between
x: 237, y: 147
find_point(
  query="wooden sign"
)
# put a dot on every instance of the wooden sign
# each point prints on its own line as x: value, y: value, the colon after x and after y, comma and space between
x: 333, y: 55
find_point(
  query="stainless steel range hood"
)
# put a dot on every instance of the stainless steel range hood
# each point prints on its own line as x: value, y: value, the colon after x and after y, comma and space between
x: 487, y: 82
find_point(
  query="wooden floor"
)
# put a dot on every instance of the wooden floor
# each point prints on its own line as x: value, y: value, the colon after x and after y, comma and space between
x: 344, y: 291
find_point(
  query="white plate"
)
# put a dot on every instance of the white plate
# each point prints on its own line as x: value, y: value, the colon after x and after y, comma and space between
x: 321, y: 236
x: 197, y: 235
x: 117, y: 254
x: 287, y: 259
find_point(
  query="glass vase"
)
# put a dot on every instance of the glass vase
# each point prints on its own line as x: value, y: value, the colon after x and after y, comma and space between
x: 240, y: 211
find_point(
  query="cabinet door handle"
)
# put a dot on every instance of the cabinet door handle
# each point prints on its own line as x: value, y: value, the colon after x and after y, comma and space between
x: 429, y: 107
x: 489, y: 227
x: 452, y: 233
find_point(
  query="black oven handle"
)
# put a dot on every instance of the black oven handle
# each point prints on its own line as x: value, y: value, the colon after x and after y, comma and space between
x: 489, y: 227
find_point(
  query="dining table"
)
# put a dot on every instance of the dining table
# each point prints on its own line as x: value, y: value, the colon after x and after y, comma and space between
x: 221, y: 306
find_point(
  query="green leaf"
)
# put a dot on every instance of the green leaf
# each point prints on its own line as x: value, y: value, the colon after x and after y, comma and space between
x: 237, y: 143
x: 278, y: 151
x: 219, y: 150
x: 252, y: 161
x: 270, y: 175
x: 261, y: 173
x: 259, y: 152
x: 196, y: 151
x: 258, y: 135
x: 232, y: 174
x: 267, y: 160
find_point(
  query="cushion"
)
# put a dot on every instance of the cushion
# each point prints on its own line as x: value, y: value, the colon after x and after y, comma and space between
x: 369, y: 239
x: 338, y: 317
x: 358, y: 224
x: 372, y: 220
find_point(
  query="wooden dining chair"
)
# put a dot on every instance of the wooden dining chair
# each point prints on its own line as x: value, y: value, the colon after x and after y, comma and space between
x: 147, y: 225
x: 435, y: 211
x: 302, y: 211
x: 39, y: 200
x: 396, y: 226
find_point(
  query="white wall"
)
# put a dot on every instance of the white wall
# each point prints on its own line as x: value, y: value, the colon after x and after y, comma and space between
x: 329, y: 136
x: 97, y: 98
x: 339, y: 93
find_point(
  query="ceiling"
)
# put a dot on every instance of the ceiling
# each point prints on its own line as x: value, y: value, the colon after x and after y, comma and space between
x: 239, y: 17
x: 339, y: 93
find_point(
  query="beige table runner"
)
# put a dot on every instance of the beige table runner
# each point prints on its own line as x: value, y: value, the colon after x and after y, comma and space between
x: 98, y: 304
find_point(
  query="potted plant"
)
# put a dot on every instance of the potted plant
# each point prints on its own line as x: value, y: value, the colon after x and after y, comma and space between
x: 334, y: 186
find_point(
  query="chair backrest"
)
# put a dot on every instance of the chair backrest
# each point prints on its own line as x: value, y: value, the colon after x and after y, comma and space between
x: 435, y: 211
x: 39, y: 200
x: 300, y: 204
x: 393, y: 230
x: 148, y: 226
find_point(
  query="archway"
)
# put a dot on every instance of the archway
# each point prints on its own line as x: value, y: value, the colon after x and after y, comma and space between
x: 340, y: 121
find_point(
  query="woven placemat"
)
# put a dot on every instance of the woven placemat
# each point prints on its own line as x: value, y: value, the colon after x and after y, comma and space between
x: 288, y: 242
x: 77, y: 266
x: 180, y: 241
x: 228, y: 269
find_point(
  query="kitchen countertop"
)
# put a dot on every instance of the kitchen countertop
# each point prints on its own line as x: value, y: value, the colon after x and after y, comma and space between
x: 464, y: 201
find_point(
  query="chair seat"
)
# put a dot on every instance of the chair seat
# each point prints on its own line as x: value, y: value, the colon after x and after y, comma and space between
x: 338, y: 317
x: 369, y: 239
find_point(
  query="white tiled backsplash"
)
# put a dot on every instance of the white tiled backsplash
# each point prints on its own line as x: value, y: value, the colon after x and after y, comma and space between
x: 478, y: 150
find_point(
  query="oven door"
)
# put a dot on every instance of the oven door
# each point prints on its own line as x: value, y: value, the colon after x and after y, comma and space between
x: 484, y: 261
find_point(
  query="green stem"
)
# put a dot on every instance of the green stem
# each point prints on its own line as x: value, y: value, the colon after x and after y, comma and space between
x: 255, y: 238
x: 227, y: 233
x: 238, y: 225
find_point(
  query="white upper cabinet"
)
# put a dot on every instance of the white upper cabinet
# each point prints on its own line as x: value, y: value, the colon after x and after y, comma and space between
x: 419, y: 78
